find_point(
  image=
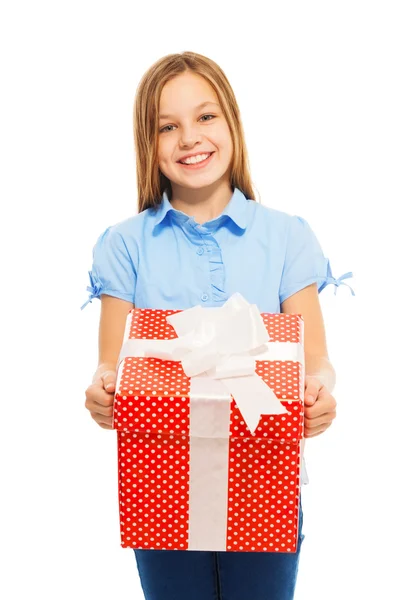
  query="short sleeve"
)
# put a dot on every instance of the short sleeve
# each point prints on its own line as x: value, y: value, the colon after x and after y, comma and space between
x: 113, y: 272
x: 305, y: 262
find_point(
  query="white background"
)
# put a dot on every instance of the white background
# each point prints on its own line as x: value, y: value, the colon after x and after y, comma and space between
x: 326, y: 97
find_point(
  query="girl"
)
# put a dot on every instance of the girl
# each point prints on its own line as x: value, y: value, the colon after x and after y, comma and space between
x: 200, y: 236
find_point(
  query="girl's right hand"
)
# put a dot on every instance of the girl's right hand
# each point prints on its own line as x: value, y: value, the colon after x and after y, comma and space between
x: 100, y: 397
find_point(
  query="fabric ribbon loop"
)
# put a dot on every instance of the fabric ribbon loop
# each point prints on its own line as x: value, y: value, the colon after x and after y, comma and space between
x: 340, y: 281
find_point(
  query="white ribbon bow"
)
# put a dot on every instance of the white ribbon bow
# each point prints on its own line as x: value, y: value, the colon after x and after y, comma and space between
x: 222, y: 344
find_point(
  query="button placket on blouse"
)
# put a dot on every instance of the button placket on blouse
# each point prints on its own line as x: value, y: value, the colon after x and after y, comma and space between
x: 200, y: 252
x: 216, y: 270
x: 202, y: 249
x: 200, y: 232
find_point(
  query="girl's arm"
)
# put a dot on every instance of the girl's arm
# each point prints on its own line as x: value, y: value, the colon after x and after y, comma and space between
x: 114, y: 312
x: 317, y: 363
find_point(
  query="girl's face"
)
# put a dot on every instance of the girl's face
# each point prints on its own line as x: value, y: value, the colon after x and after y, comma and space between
x: 185, y: 128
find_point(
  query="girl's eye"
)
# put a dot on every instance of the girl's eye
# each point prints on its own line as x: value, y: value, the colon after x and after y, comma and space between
x: 165, y: 128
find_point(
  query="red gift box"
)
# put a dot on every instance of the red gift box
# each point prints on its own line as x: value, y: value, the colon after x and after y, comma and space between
x: 182, y: 488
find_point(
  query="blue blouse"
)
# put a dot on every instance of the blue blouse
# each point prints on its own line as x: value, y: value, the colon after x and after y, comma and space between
x: 162, y: 258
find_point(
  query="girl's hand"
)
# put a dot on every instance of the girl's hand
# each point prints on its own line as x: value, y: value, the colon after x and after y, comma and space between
x: 320, y: 407
x: 100, y: 397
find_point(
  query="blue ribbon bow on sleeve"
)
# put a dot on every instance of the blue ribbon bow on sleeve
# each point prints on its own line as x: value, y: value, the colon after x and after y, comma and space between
x: 95, y: 288
x: 339, y: 281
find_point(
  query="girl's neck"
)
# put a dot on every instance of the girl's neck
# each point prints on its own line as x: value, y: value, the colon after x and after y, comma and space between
x: 204, y: 204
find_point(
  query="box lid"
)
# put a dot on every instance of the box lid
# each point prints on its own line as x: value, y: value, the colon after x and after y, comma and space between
x: 153, y: 396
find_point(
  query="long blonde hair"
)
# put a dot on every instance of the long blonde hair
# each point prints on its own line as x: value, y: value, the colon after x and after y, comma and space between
x: 151, y: 182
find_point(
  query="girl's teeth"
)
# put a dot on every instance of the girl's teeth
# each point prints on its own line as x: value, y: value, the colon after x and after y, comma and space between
x: 195, y: 159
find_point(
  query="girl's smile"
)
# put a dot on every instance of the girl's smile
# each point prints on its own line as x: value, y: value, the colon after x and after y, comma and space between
x: 198, y: 165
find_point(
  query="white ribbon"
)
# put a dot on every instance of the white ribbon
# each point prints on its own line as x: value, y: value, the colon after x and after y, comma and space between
x: 221, y: 344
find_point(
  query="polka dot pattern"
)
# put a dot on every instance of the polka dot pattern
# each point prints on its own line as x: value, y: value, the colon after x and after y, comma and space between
x: 153, y: 490
x: 151, y: 416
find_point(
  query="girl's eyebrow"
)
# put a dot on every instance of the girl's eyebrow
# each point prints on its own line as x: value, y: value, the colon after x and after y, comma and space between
x: 196, y: 108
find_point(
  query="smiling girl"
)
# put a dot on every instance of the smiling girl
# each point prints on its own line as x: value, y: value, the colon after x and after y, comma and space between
x: 199, y: 237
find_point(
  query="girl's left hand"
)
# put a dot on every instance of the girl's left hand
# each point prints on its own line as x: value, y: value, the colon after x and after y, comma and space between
x: 320, y: 407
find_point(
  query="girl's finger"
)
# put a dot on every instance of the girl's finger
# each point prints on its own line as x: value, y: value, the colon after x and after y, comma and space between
x: 320, y: 420
x: 101, y: 420
x: 105, y: 411
x: 316, y: 431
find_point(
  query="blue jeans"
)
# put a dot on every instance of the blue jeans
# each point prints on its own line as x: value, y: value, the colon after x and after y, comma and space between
x: 200, y: 575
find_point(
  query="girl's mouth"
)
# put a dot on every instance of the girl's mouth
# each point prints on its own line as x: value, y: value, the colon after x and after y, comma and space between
x: 198, y: 165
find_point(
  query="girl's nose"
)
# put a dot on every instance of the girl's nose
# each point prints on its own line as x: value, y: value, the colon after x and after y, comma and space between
x: 189, y: 136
